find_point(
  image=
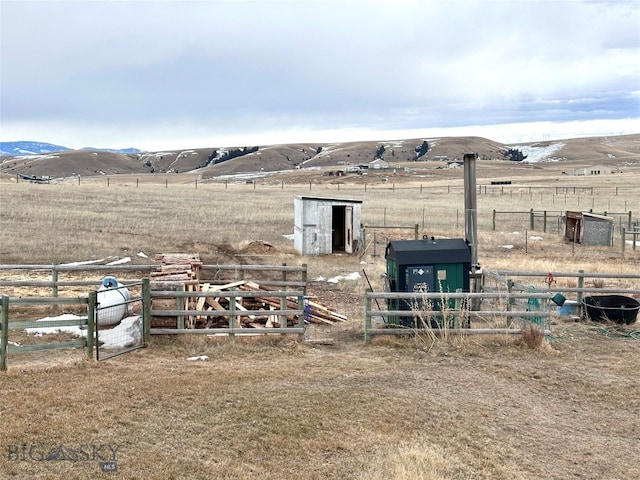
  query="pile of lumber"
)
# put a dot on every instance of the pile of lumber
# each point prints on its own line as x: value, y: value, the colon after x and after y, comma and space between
x: 313, y: 311
x: 182, y: 268
x: 177, y: 271
x: 181, y: 272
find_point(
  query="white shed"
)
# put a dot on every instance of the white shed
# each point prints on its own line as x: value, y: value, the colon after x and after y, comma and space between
x: 326, y: 225
x: 378, y: 164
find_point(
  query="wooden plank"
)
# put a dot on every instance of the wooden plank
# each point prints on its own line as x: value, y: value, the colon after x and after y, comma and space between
x: 227, y: 286
x: 172, y: 277
x: 213, y: 303
x: 201, y: 300
x: 240, y: 307
x: 178, y: 267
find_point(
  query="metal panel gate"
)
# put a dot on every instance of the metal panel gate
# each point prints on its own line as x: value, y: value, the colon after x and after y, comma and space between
x: 120, y: 320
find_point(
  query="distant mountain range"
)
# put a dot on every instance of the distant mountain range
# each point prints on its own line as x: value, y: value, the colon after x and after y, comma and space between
x: 24, y: 148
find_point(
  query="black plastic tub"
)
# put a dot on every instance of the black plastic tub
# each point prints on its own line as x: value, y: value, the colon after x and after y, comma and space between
x: 611, y: 308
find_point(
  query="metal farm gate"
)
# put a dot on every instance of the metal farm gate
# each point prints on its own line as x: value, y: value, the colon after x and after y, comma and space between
x: 120, y: 325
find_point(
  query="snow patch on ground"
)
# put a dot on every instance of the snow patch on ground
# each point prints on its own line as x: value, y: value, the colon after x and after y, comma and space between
x: 120, y: 261
x: 125, y: 334
x: 540, y: 153
x: 339, y: 278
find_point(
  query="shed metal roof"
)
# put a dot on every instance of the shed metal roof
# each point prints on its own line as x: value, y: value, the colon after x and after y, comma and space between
x: 573, y: 214
x: 323, y: 199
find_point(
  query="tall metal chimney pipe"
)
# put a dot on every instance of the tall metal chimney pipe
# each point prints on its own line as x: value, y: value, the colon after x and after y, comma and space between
x: 470, y: 206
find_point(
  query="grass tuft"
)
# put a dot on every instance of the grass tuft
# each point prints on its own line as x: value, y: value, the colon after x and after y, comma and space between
x: 533, y: 336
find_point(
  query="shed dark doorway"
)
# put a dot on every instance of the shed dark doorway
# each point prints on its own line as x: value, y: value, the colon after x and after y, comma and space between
x: 342, y: 228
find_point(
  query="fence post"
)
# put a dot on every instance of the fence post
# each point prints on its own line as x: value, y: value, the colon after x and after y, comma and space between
x: 146, y: 309
x: 580, y: 285
x: 416, y: 231
x: 624, y: 240
x: 302, y: 317
x: 180, y: 302
x: 544, y: 223
x: 4, y: 332
x: 494, y: 220
x: 367, y: 318
x: 304, y: 278
x: 54, y: 280
x: 232, y: 315
x: 91, y: 321
x: 283, y: 316
x: 531, y: 220
x: 509, y: 300
x: 629, y: 222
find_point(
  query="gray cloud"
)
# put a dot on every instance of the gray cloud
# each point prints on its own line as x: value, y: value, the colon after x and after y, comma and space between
x: 228, y: 67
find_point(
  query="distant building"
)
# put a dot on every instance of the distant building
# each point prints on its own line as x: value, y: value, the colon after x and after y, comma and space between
x: 378, y: 164
x: 593, y: 170
x: 588, y: 228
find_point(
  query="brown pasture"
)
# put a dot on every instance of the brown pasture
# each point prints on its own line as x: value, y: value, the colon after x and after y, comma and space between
x: 331, y: 407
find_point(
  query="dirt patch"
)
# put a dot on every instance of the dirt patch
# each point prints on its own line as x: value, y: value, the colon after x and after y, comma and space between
x: 258, y: 247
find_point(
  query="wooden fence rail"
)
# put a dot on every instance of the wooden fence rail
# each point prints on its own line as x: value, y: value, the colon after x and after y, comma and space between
x: 547, y: 215
x: 207, y: 271
x: 509, y: 295
x: 414, y: 297
x: 234, y: 313
x: 507, y: 277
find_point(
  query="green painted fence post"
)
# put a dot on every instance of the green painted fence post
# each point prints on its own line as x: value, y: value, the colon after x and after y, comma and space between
x: 91, y: 322
x: 146, y: 309
x: 301, y: 317
x: 4, y: 332
x: 304, y: 278
x: 283, y: 317
x: 180, y: 301
x: 232, y: 316
x: 54, y: 280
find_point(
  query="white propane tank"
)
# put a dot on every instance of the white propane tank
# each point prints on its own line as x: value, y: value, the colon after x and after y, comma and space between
x: 112, y: 302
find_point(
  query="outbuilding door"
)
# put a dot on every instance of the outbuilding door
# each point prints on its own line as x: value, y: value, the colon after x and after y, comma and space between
x: 348, y: 227
x: 342, y: 228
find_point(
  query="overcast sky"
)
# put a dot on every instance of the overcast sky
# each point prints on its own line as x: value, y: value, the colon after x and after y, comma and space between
x: 186, y: 74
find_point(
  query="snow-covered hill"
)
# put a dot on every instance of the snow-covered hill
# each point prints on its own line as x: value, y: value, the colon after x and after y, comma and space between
x: 29, y: 148
x: 23, y: 148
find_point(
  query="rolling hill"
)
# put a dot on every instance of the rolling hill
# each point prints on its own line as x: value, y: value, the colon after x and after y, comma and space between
x: 215, y: 162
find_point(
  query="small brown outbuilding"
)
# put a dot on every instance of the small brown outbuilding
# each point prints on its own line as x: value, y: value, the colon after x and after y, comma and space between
x: 588, y: 228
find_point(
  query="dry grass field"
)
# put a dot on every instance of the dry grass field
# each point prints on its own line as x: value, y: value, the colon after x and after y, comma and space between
x: 333, y: 407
